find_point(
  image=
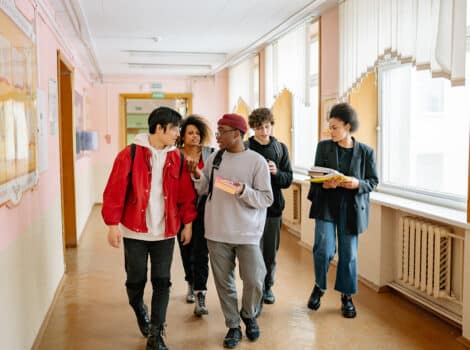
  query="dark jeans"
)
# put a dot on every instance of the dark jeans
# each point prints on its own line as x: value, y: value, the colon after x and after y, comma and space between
x: 195, y: 255
x: 269, y: 245
x: 136, y: 253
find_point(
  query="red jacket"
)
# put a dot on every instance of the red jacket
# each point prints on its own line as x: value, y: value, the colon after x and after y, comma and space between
x: 127, y: 204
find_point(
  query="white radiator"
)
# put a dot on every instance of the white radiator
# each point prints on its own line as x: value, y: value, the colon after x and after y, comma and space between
x: 291, y: 214
x: 425, y: 257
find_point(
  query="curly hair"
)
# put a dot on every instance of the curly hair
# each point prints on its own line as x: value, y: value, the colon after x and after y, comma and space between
x: 202, y: 126
x: 260, y: 116
x: 345, y: 113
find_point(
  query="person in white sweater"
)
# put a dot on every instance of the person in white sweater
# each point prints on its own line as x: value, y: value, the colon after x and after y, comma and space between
x: 234, y: 223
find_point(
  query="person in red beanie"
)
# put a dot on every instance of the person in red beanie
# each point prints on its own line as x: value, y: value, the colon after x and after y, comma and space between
x: 237, y: 183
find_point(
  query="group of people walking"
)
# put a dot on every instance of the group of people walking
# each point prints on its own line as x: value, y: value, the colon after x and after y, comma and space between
x: 227, y: 204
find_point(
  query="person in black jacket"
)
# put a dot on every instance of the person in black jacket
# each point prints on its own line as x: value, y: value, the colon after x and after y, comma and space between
x: 341, y: 207
x: 261, y: 121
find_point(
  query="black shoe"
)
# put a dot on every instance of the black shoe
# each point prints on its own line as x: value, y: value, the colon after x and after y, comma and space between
x: 268, y: 296
x: 155, y: 340
x: 143, y: 320
x: 252, y: 329
x: 233, y: 337
x: 347, y: 307
x: 200, y: 306
x: 259, y: 309
x: 314, y: 300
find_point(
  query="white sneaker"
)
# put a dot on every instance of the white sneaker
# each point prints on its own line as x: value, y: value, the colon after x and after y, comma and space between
x: 190, y: 294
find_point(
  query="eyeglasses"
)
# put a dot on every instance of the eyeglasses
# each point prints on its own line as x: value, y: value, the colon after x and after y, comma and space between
x: 222, y: 132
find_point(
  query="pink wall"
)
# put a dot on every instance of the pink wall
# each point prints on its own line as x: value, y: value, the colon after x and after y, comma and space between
x: 210, y: 99
x: 329, y: 54
x: 15, y: 220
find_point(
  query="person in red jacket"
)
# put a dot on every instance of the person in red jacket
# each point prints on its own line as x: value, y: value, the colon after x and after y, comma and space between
x: 148, y: 195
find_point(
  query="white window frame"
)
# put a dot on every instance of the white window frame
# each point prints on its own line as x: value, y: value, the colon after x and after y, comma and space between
x: 311, y: 81
x: 441, y: 199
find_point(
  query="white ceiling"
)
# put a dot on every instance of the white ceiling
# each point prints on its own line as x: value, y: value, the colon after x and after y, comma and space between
x: 141, y: 37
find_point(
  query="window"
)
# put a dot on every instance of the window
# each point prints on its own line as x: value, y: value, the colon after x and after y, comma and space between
x: 305, y: 115
x: 424, y: 135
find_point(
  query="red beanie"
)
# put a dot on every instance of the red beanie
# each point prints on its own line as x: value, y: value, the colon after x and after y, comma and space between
x: 235, y: 121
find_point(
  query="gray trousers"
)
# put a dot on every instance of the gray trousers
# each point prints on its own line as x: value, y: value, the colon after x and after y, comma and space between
x: 252, y: 273
x: 269, y: 246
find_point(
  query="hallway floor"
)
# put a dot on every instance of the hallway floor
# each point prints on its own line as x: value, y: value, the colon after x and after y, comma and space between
x: 91, y: 311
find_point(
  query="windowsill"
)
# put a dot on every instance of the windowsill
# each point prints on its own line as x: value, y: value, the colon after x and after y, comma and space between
x: 435, y: 212
x: 431, y: 211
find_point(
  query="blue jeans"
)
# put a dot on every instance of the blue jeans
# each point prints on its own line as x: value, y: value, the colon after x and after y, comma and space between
x: 324, y: 250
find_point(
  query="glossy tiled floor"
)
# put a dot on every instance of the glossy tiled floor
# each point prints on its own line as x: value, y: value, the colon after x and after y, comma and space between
x: 92, y: 312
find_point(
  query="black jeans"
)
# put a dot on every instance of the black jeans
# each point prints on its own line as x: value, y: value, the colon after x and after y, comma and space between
x: 136, y: 253
x: 195, y: 255
x: 269, y: 245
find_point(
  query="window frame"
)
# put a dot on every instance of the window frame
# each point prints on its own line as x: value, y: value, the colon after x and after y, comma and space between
x: 425, y: 196
x: 312, y: 80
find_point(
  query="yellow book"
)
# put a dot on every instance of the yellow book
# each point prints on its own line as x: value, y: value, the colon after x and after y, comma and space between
x: 321, y: 174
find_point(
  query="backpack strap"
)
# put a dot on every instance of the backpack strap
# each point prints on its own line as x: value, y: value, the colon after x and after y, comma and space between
x: 133, y: 147
x: 181, y: 162
x: 278, y: 149
x: 215, y: 165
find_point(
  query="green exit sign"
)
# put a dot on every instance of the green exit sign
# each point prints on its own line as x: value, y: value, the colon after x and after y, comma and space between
x: 158, y: 95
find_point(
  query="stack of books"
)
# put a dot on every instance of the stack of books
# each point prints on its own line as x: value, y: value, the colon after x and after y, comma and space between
x: 320, y: 174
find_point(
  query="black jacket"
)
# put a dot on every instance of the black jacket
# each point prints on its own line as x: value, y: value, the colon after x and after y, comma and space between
x: 279, y: 154
x: 362, y: 168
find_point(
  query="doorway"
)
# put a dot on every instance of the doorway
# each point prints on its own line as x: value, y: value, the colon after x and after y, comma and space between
x: 134, y: 110
x: 67, y: 155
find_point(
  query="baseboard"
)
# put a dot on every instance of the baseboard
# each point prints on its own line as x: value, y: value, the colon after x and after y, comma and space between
x: 438, y: 310
x: 373, y: 286
x: 45, y: 322
x: 464, y: 341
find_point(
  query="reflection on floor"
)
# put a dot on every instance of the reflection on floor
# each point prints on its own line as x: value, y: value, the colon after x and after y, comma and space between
x: 92, y: 312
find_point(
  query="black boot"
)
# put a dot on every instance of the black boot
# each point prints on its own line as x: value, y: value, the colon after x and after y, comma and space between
x: 268, y: 296
x: 252, y: 329
x: 347, y: 307
x: 143, y: 320
x: 155, y: 340
x: 314, y: 300
x: 200, y: 307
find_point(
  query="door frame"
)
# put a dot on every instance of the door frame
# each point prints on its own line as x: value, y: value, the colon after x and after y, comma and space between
x: 65, y: 83
x: 122, y: 109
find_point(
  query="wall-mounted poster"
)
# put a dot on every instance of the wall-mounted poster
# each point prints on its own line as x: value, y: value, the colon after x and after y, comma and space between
x: 18, y: 111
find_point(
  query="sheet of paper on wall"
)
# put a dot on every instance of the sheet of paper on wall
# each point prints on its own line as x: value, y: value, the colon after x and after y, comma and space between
x: 320, y: 174
x: 225, y: 185
x: 43, y: 122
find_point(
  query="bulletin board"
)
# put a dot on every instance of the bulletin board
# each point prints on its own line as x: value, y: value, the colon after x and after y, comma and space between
x: 18, y: 110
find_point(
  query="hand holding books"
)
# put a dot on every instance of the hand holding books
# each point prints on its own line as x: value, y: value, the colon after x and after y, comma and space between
x: 229, y: 186
x: 320, y: 174
x: 331, y: 178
